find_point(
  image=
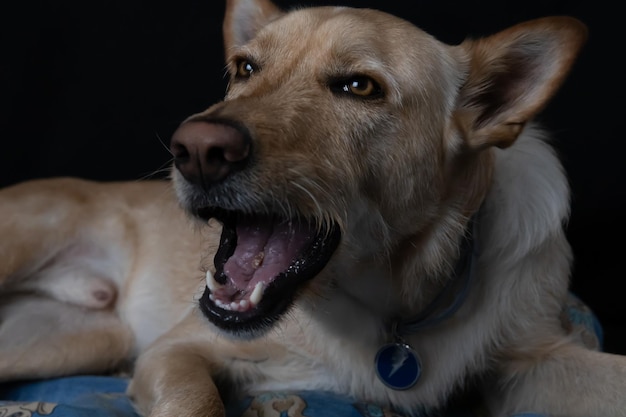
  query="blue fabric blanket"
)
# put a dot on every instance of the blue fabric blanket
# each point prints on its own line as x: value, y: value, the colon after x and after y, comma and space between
x: 103, y: 396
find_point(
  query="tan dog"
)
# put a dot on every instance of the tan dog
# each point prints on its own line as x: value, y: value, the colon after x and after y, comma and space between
x: 392, y: 231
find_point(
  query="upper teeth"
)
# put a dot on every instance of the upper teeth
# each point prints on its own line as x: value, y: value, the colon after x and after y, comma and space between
x: 211, y: 283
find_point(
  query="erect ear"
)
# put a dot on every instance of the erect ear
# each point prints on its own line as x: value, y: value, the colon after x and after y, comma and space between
x: 512, y: 75
x: 244, y: 18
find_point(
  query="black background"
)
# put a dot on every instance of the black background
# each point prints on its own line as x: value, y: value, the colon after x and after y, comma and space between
x: 95, y: 89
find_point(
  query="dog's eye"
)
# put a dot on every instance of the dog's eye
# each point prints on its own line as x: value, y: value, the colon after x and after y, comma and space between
x: 361, y: 86
x: 245, y: 68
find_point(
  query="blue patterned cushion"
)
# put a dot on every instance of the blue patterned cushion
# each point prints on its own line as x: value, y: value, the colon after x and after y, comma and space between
x: 102, y: 396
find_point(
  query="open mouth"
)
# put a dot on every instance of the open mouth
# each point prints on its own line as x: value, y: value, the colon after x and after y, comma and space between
x: 261, y: 265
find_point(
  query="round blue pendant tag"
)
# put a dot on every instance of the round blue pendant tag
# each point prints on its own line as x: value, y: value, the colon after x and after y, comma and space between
x: 398, y: 366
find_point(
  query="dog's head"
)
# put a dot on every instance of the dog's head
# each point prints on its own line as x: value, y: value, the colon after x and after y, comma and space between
x: 351, y: 140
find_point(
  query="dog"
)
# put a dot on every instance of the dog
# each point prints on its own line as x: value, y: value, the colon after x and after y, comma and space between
x: 369, y: 211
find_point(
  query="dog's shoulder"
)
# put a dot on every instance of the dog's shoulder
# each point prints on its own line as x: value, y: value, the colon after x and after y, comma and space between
x: 529, y: 200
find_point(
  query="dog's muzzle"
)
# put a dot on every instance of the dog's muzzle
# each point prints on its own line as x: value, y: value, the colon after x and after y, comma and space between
x: 263, y: 259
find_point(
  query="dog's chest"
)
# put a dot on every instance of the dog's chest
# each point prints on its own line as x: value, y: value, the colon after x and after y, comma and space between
x: 307, y: 356
x: 289, y: 371
x: 299, y: 357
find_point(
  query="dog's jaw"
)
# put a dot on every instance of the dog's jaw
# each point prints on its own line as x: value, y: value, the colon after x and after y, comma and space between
x: 260, y: 267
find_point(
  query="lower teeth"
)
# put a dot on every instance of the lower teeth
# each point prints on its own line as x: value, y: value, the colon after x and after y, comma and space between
x: 242, y: 305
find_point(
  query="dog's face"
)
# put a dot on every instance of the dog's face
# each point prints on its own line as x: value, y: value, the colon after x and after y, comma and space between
x: 348, y: 137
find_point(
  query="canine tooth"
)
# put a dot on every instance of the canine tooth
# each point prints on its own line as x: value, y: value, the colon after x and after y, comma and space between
x: 211, y: 283
x: 257, y: 294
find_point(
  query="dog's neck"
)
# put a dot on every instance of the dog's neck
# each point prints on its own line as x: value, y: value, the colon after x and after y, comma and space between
x: 397, y: 364
x: 454, y: 292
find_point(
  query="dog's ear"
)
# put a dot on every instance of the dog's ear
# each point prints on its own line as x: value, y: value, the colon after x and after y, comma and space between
x: 512, y: 75
x: 244, y: 18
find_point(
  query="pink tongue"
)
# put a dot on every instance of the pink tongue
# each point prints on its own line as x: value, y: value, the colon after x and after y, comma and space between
x: 264, y: 250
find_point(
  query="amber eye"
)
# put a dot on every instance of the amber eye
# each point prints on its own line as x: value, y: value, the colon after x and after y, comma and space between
x: 245, y: 68
x: 360, y: 86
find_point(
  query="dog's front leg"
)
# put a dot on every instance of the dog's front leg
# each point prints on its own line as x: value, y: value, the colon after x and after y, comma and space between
x: 174, y: 382
x: 566, y: 380
x: 174, y: 376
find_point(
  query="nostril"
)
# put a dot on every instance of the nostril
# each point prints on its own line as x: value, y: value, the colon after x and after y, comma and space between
x: 215, y: 155
x: 179, y: 151
x: 207, y: 152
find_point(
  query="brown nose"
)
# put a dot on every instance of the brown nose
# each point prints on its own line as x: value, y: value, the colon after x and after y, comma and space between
x: 206, y: 153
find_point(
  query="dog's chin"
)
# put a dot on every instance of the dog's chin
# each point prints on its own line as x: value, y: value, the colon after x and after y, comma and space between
x: 262, y: 264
